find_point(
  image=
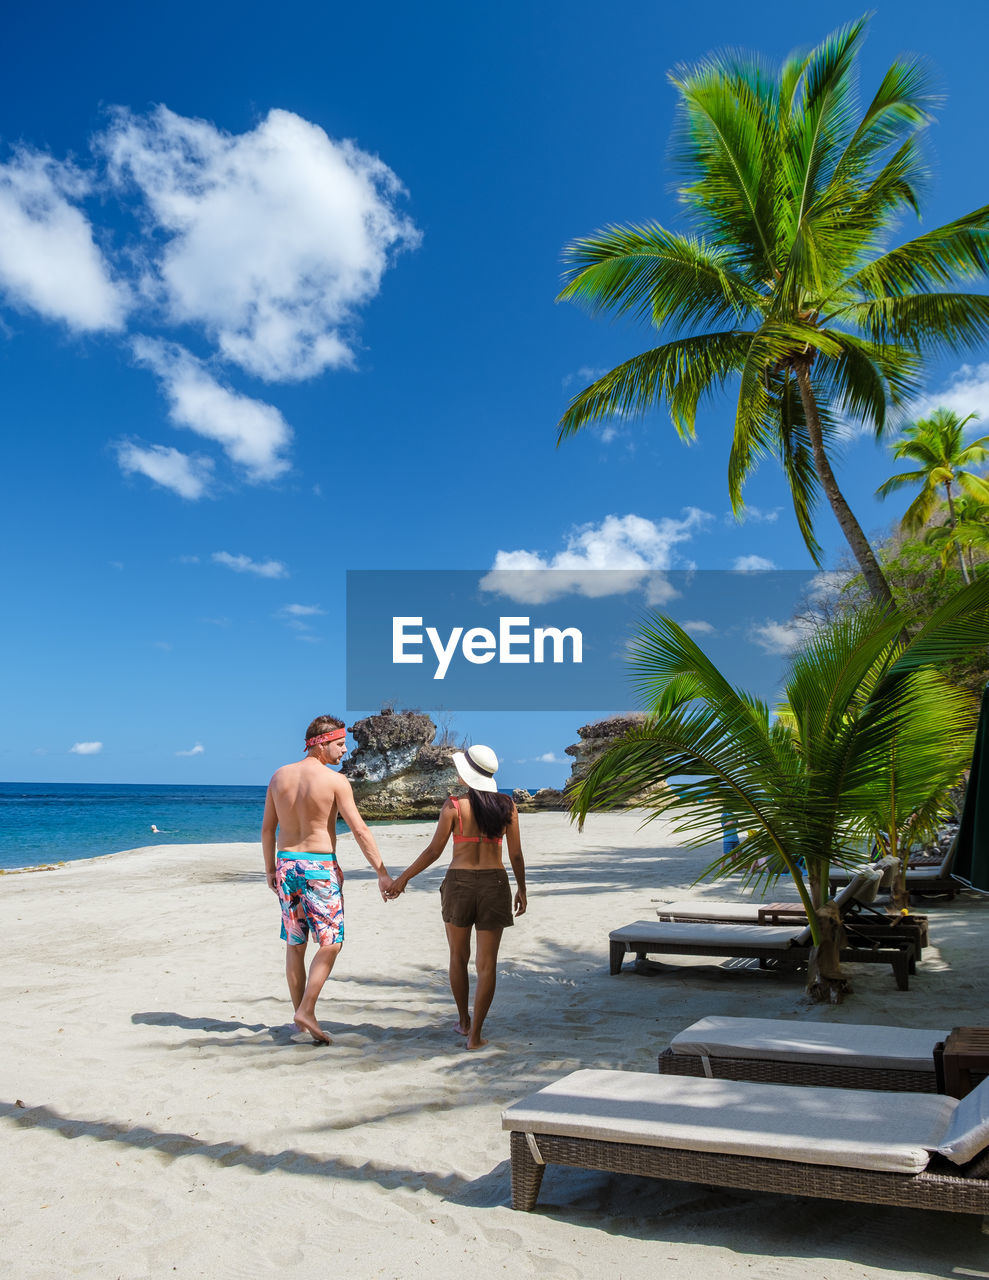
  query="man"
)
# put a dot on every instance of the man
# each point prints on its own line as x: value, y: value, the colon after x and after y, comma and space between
x: 302, y: 805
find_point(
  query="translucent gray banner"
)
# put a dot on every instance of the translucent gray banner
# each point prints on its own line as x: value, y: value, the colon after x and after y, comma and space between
x: 553, y: 640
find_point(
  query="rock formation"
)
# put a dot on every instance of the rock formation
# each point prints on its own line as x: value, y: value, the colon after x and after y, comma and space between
x: 595, y: 739
x: 397, y: 771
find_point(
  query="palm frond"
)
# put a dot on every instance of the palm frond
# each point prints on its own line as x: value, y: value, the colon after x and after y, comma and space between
x: 726, y: 141
x: 681, y: 372
x: 942, y: 322
x: 957, y: 250
x: 655, y: 276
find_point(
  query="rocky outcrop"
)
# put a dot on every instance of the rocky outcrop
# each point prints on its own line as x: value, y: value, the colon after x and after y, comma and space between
x: 595, y: 739
x: 397, y: 770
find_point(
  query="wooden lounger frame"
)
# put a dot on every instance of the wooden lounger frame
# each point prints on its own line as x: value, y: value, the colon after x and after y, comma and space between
x: 901, y: 957
x: 942, y: 1185
x: 784, y: 1071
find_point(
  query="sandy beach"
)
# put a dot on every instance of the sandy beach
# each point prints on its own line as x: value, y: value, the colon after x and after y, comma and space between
x: 157, y: 1121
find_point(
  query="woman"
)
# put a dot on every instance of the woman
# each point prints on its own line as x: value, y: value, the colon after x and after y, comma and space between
x: 475, y: 893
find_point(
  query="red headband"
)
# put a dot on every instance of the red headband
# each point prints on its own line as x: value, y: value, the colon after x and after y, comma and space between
x: 326, y: 737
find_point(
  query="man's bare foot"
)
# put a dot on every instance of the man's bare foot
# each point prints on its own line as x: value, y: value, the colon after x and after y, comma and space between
x: 473, y: 1043
x: 311, y: 1027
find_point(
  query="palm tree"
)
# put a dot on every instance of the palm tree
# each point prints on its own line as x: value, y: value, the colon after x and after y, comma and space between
x: 937, y: 445
x: 970, y: 533
x: 787, y: 289
x: 868, y: 740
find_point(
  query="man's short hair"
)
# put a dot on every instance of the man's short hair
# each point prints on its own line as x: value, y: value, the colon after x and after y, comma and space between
x: 323, y: 724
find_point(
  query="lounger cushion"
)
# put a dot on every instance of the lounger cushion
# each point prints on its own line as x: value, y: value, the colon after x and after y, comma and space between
x: 697, y: 933
x: 824, y: 1043
x: 698, y: 909
x: 847, y: 1128
x: 968, y: 1132
x: 862, y: 887
x: 850, y: 1128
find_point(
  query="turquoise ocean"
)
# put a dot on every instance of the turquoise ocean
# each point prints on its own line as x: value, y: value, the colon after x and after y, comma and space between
x: 50, y: 822
x: 42, y: 822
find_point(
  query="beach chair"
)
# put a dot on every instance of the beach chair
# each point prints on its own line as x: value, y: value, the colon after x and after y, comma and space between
x: 859, y: 916
x: 919, y: 880
x: 783, y: 948
x: 918, y: 1150
x: 780, y: 1051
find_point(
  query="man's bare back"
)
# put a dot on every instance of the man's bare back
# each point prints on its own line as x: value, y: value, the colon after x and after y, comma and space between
x: 298, y: 831
x: 305, y: 801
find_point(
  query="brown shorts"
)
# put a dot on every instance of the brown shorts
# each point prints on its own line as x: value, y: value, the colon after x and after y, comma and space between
x: 479, y: 898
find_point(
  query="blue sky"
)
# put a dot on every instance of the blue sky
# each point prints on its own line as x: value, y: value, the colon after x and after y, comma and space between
x: 277, y: 300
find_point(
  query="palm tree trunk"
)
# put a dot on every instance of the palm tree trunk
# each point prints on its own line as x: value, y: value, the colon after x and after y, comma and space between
x: 954, y: 529
x: 850, y: 527
x: 826, y: 984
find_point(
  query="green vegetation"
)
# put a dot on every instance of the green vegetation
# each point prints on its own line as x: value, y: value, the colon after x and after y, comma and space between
x: 786, y: 289
x: 936, y: 444
x: 868, y: 741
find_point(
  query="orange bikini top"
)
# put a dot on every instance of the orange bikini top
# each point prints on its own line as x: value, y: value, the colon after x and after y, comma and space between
x: 460, y: 838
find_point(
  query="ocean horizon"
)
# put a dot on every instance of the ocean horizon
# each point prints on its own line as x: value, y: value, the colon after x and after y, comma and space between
x: 42, y: 822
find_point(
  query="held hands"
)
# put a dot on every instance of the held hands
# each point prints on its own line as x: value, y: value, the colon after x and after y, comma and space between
x: 385, y: 883
x: 396, y: 890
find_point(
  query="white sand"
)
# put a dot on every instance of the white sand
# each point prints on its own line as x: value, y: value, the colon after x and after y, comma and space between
x: 168, y: 1128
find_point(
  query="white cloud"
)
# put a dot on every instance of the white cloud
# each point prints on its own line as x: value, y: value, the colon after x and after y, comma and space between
x: 828, y: 584
x: 754, y: 514
x: 585, y: 375
x: 188, y: 476
x: 197, y: 750
x: 253, y: 434
x: 751, y: 564
x: 301, y: 611
x: 49, y: 260
x: 244, y: 564
x: 631, y: 549
x: 86, y: 748
x: 966, y: 391
x: 781, y: 637
x: 549, y: 757
x: 271, y: 240
x: 698, y: 627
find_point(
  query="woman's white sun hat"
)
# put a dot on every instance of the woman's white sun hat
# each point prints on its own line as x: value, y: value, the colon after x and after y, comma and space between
x: 477, y: 766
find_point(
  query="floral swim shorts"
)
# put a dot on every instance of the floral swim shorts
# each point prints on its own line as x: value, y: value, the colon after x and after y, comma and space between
x: 310, y: 891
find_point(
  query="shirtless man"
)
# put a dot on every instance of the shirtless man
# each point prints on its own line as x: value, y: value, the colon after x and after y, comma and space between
x: 302, y: 805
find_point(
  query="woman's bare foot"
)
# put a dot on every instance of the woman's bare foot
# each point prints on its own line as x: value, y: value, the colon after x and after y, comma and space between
x: 462, y: 1028
x: 474, y: 1043
x: 311, y: 1027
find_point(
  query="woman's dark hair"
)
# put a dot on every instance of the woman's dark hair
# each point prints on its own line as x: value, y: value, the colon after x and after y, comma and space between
x: 492, y: 812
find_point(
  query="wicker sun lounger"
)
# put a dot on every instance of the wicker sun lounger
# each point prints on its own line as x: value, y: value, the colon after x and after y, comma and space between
x: 919, y: 880
x: 862, y: 919
x: 845, y: 1144
x: 784, y: 1051
x: 785, y: 949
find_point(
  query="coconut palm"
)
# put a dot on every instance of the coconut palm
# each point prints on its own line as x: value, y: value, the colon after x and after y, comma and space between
x: 937, y: 444
x: 969, y: 535
x: 786, y: 289
x: 868, y: 740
